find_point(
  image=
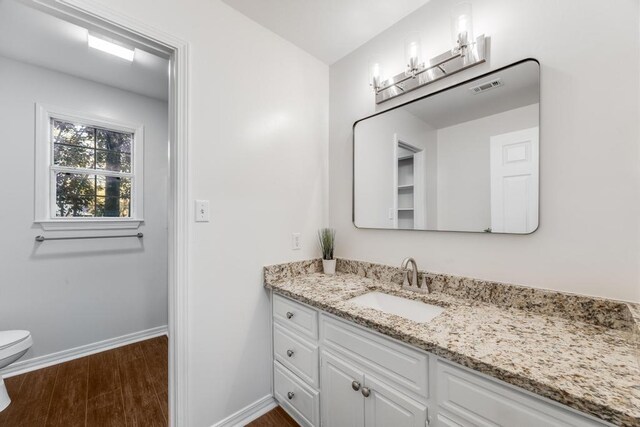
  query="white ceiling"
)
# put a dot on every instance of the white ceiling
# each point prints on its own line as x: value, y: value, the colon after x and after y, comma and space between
x: 327, y: 29
x: 460, y: 104
x: 32, y: 36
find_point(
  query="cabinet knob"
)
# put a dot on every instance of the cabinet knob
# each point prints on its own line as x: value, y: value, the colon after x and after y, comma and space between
x: 290, y: 395
x: 366, y: 391
x: 355, y: 385
x: 289, y: 353
x: 289, y: 315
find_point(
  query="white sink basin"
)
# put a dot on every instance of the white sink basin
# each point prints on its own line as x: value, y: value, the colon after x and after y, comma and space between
x: 407, y: 308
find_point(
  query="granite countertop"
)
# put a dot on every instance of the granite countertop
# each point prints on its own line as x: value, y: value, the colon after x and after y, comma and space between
x: 588, y: 366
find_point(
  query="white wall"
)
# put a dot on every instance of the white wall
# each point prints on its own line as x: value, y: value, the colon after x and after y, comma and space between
x: 258, y: 144
x: 464, y: 170
x: 589, y: 227
x: 374, y: 173
x: 72, y: 293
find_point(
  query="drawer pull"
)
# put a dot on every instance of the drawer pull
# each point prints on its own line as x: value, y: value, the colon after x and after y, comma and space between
x: 290, y: 395
x: 289, y: 315
x: 355, y: 385
x: 366, y: 391
x: 289, y: 353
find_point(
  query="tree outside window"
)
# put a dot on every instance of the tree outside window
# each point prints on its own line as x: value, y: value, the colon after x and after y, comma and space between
x: 93, y: 170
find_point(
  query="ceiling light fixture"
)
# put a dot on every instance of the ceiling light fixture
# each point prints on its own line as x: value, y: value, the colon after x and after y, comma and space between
x: 110, y: 47
x: 466, y: 52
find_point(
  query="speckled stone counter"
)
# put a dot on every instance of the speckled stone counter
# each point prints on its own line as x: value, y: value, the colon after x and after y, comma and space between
x: 575, y: 350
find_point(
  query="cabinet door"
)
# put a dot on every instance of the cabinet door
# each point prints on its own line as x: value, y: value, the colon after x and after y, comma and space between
x: 472, y: 400
x: 342, y: 405
x: 386, y: 406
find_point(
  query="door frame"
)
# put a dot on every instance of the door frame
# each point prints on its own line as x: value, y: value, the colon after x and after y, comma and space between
x: 92, y: 15
x: 418, y: 179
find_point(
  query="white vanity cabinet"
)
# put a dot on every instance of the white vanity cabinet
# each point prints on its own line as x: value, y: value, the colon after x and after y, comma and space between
x: 375, y: 380
x: 332, y: 373
x: 354, y: 397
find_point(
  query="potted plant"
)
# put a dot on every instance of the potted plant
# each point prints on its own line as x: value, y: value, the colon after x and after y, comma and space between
x: 327, y: 239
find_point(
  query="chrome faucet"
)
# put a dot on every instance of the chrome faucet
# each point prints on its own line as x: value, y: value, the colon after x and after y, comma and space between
x: 412, y: 280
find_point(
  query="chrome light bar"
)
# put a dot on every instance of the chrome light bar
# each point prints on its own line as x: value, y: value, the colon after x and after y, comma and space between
x: 439, y: 67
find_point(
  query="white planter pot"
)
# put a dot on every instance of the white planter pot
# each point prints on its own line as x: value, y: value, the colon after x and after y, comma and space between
x: 329, y: 266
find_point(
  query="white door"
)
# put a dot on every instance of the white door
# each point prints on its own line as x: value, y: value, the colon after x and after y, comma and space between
x: 386, y: 407
x: 342, y: 405
x: 514, y: 181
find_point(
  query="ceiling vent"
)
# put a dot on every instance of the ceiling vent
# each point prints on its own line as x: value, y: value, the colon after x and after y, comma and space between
x: 483, y: 87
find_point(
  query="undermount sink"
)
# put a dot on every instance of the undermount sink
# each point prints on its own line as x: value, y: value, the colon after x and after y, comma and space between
x: 403, y: 307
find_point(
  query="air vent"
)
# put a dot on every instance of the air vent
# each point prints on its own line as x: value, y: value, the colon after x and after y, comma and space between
x: 483, y: 87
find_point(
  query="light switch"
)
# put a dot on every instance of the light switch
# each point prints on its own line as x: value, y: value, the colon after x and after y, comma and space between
x: 296, y: 241
x: 202, y: 211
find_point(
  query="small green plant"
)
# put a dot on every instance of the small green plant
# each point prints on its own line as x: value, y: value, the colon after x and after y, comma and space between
x: 327, y: 239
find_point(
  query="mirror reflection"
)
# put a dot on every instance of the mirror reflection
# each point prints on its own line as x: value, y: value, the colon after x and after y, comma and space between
x: 465, y: 159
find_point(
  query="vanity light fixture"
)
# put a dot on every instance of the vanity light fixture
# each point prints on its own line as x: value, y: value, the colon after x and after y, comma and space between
x: 466, y: 52
x: 110, y: 47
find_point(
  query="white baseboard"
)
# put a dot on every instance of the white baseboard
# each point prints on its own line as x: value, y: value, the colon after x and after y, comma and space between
x: 40, y: 362
x: 249, y: 413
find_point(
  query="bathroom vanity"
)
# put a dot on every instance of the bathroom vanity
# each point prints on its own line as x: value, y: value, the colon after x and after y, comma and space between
x: 340, y: 363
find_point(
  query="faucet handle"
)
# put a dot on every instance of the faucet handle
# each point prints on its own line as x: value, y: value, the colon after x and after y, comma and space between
x: 424, y: 285
x: 405, y: 281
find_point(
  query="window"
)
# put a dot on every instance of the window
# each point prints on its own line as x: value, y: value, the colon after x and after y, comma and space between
x: 89, y: 172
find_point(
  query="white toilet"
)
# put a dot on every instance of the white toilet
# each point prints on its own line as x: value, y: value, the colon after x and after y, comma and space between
x: 13, y: 345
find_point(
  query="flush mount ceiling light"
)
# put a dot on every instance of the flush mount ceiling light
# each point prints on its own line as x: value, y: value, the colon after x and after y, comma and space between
x: 466, y: 52
x: 110, y: 47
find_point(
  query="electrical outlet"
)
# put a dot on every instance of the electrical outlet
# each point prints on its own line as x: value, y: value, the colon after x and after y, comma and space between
x: 296, y: 241
x: 202, y: 211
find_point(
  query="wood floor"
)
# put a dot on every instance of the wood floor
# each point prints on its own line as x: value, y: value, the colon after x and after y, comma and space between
x: 126, y: 386
x: 276, y: 417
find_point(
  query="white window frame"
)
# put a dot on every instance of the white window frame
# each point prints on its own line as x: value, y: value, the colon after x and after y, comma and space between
x: 45, y: 204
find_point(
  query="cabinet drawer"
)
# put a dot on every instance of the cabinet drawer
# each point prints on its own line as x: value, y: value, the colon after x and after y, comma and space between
x: 476, y: 401
x: 295, y: 316
x: 301, y: 401
x: 405, y: 368
x: 297, y: 354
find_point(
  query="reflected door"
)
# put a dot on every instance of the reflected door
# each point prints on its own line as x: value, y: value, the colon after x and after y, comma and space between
x: 514, y: 181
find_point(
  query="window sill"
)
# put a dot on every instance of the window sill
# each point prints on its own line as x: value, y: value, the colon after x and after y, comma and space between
x: 89, y: 224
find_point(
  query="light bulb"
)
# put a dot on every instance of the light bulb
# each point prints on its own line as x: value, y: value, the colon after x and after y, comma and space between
x: 412, y: 52
x: 375, y: 70
x: 375, y: 73
x: 462, y: 25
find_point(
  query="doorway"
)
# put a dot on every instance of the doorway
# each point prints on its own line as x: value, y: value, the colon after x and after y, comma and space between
x: 409, y: 179
x: 103, y: 22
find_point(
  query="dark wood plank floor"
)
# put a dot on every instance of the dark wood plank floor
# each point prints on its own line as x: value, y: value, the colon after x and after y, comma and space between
x: 126, y: 386
x: 275, y: 418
